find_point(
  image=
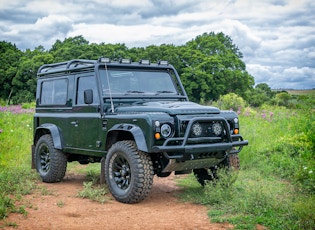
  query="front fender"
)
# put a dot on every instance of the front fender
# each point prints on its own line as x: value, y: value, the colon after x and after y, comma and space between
x: 54, y: 131
x: 135, y: 131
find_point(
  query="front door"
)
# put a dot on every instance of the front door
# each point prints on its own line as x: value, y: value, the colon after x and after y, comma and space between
x: 86, y: 120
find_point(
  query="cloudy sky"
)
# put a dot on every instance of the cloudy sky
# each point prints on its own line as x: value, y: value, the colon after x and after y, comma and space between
x: 276, y: 37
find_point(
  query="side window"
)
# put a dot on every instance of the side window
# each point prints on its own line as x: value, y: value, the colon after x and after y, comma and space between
x: 84, y: 83
x: 54, y: 92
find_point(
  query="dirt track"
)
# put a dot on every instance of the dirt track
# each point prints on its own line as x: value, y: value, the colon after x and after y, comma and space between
x: 161, y: 210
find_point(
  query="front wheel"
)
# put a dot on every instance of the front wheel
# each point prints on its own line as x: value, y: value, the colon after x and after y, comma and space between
x: 128, y: 172
x: 51, y: 163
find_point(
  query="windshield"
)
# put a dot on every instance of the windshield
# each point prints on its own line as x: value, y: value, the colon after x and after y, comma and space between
x: 130, y: 81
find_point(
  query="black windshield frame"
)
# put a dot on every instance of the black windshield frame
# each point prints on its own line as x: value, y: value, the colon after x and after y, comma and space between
x: 143, y: 82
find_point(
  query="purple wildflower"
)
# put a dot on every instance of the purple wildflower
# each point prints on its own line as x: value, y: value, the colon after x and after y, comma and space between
x: 271, y: 114
x: 15, y: 109
x: 247, y: 112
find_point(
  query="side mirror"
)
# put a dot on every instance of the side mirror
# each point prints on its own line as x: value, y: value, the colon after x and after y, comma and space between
x: 88, y: 96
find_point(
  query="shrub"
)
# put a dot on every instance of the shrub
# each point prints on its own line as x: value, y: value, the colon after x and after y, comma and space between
x: 283, y: 98
x: 231, y: 101
x: 22, y: 97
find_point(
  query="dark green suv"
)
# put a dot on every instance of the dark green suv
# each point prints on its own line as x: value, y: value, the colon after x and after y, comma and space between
x: 133, y: 117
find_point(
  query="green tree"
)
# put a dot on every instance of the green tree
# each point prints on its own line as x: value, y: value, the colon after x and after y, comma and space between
x: 114, y: 51
x: 9, y: 58
x: 209, y: 65
x: 261, y: 94
x: 71, y: 48
x: 213, y: 67
x: 265, y: 87
x: 24, y: 82
x: 163, y: 52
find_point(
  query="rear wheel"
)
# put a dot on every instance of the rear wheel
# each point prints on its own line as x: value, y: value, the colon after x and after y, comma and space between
x: 128, y: 172
x: 51, y: 163
x: 204, y: 175
x: 233, y: 161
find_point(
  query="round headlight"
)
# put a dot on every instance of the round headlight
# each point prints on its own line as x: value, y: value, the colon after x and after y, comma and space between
x: 217, y: 128
x: 166, y: 130
x: 196, y: 129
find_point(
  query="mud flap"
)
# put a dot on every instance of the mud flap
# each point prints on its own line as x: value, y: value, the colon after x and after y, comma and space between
x: 33, y: 157
x: 102, y: 176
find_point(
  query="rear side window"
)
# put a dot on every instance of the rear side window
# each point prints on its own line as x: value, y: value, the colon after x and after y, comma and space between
x: 54, y: 92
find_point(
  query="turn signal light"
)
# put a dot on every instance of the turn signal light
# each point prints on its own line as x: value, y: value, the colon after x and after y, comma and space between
x: 157, y: 136
x: 235, y: 131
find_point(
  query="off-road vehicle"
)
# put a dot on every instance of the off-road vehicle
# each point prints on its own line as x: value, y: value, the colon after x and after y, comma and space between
x: 133, y: 117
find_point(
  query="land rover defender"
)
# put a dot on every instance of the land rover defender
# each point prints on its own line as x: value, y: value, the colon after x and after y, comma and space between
x: 134, y: 118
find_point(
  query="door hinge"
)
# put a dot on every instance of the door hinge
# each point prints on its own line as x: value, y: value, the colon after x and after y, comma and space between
x: 104, y: 124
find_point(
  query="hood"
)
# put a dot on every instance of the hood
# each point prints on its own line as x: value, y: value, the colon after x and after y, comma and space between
x: 170, y: 107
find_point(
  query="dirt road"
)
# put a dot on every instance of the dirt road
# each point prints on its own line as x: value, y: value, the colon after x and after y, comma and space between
x: 161, y: 210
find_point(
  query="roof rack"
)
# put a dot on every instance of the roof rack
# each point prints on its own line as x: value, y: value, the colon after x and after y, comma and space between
x: 63, y: 66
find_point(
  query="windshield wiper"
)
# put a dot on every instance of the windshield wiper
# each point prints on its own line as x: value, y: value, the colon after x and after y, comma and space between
x: 134, y: 91
x: 164, y: 91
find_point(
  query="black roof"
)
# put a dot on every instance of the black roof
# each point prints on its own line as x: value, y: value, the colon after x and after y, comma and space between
x: 77, y: 64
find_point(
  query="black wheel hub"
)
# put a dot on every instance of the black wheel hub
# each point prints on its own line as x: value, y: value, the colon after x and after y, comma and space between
x: 122, y: 173
x: 44, y: 157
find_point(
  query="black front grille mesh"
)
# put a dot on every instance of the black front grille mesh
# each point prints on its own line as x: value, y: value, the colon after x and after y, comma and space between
x: 205, y: 131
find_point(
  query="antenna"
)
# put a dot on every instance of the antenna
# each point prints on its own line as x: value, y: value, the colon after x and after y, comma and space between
x: 110, y: 91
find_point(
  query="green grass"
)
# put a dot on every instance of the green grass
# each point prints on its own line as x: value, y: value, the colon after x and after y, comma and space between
x: 302, y: 92
x: 15, y: 139
x: 276, y: 184
x: 93, y: 192
x: 16, y: 176
x: 92, y: 189
x: 274, y: 188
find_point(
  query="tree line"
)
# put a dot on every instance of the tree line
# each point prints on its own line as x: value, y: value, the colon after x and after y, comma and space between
x: 209, y: 65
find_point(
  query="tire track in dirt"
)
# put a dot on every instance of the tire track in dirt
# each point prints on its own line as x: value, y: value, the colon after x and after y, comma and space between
x: 161, y: 210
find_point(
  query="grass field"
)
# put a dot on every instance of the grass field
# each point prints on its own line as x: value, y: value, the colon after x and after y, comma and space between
x: 301, y: 92
x: 275, y: 187
x: 276, y: 184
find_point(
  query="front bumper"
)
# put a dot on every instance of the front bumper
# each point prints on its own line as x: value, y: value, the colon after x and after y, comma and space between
x: 188, y: 157
x: 230, y: 147
x: 192, y: 148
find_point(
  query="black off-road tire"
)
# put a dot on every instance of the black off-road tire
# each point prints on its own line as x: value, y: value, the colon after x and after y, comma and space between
x: 233, y: 161
x: 51, y: 163
x: 203, y: 175
x: 128, y: 172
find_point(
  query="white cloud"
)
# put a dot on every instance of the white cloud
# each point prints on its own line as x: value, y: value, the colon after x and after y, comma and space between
x: 129, y: 3
x: 278, y: 77
x: 137, y: 35
x: 276, y: 37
